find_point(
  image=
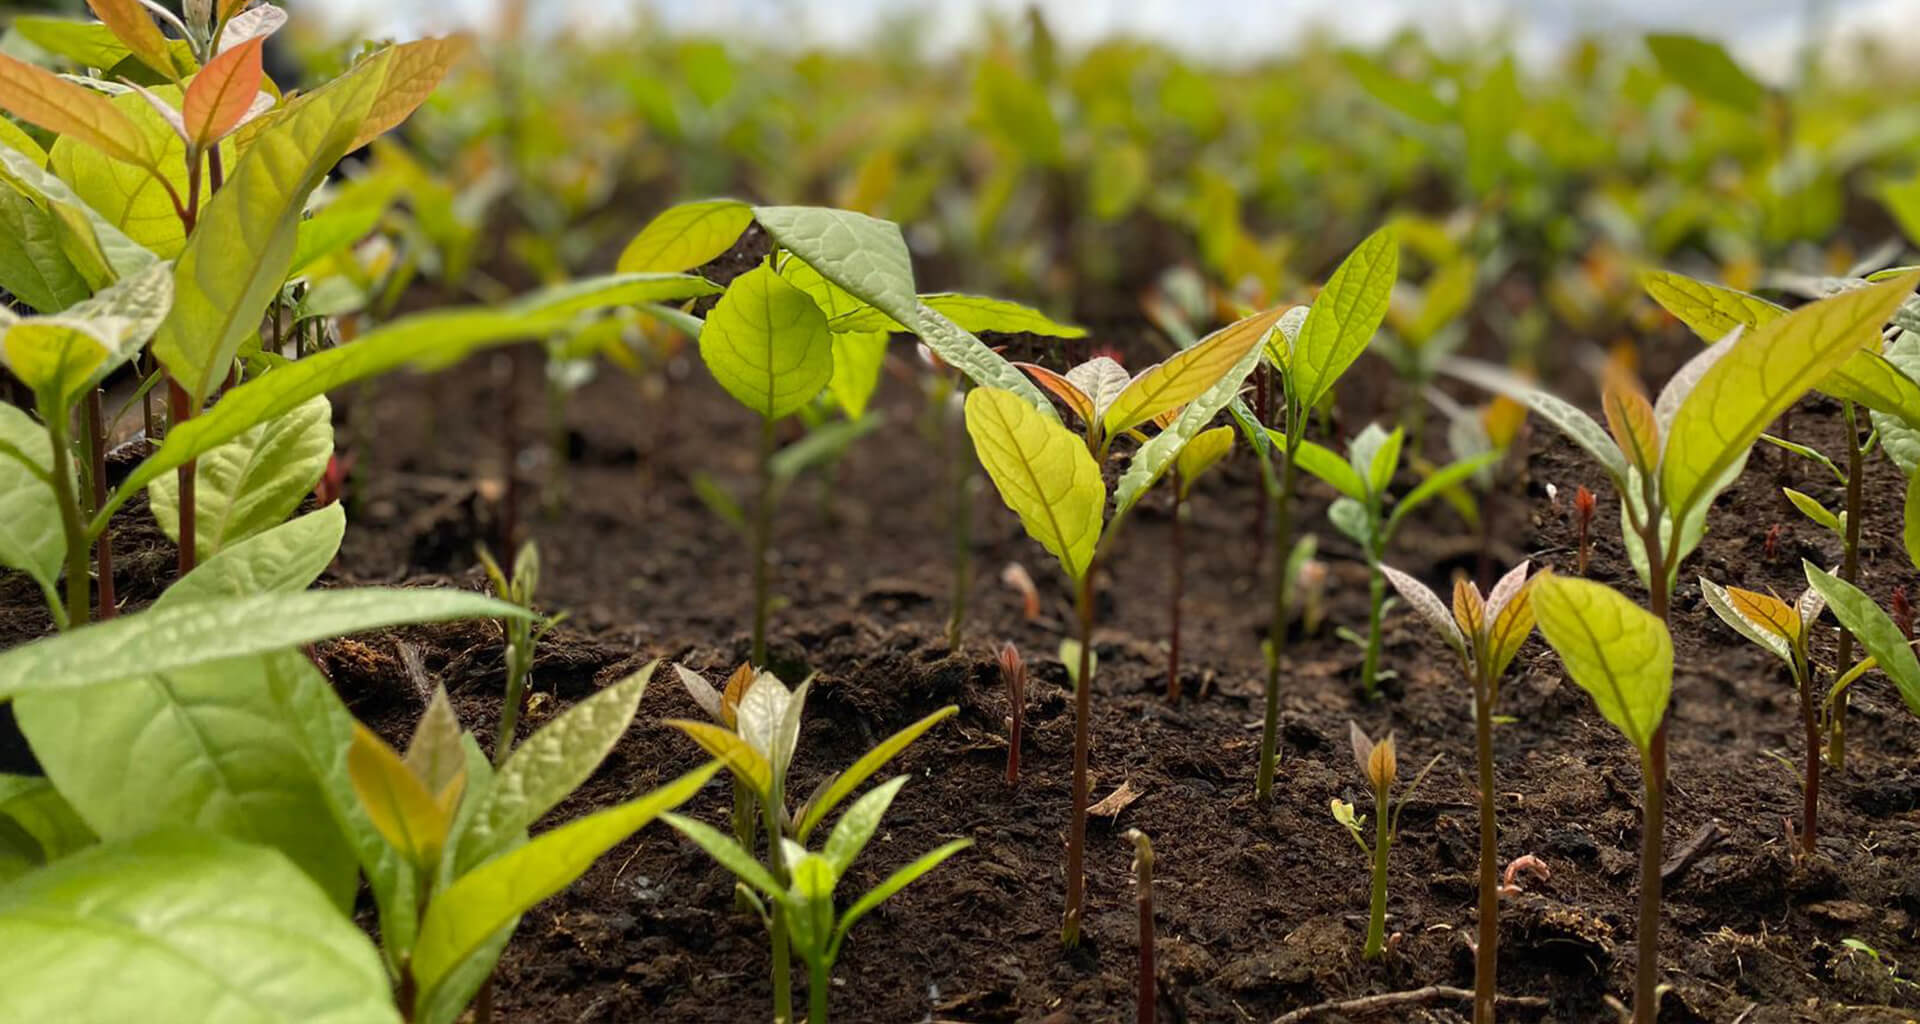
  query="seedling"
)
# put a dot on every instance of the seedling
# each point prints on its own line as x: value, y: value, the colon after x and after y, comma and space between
x: 1380, y: 767
x: 805, y: 899
x: 1050, y: 478
x: 1013, y: 678
x: 1308, y: 355
x: 1782, y: 630
x: 1623, y: 657
x: 723, y: 706
x: 521, y: 636
x: 1486, y: 633
x: 1582, y: 526
x: 758, y: 749
x: 1146, y: 1002
x: 1886, y: 647
x: 1362, y: 479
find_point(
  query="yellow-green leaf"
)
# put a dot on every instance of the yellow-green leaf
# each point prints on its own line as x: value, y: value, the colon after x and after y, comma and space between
x: 1709, y: 309
x: 768, y: 344
x: 413, y: 71
x: 685, y: 236
x: 409, y: 817
x: 1766, y: 621
x: 727, y: 747
x: 975, y: 313
x: 132, y: 25
x: 1207, y: 448
x: 1182, y: 377
x: 857, y: 359
x: 1765, y: 372
x: 1630, y: 417
x: 1345, y: 316
x: 1043, y: 473
x: 1612, y: 648
x: 72, y: 111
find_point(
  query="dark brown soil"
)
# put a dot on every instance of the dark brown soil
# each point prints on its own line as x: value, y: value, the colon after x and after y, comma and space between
x: 1261, y: 909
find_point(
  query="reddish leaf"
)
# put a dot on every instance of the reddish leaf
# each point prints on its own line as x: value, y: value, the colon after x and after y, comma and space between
x: 221, y: 93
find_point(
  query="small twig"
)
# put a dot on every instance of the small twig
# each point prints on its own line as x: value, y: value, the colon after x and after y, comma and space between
x: 1412, y: 997
x: 1704, y: 839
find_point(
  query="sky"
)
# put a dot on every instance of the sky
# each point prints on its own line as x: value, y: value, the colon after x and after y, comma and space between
x: 1766, y: 33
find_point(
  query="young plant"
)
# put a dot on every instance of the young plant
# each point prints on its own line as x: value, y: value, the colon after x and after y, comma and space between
x: 1782, y: 630
x: 1379, y: 765
x: 1050, y: 478
x: 805, y: 899
x: 1362, y: 479
x: 1201, y: 454
x: 723, y: 706
x: 1486, y: 634
x: 1146, y: 1003
x: 1622, y: 656
x: 1583, y: 505
x: 1879, y: 635
x: 521, y: 636
x: 757, y: 750
x: 1013, y: 678
x: 1308, y: 355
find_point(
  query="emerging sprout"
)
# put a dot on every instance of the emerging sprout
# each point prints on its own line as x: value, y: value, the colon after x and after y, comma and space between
x: 1379, y: 764
x: 1582, y: 525
x: 521, y: 636
x: 1146, y: 1003
x: 1013, y: 678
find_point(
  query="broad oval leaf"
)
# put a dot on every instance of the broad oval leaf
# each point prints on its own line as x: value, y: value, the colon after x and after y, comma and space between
x: 490, y: 897
x: 1612, y: 648
x: 767, y: 343
x: 250, y: 24
x: 284, y: 559
x: 857, y: 361
x: 413, y: 819
x: 865, y: 255
x: 1764, y: 373
x: 1345, y: 316
x: 194, y: 927
x: 1201, y: 454
x: 1180, y: 379
x: 32, y: 265
x: 1044, y: 474
x: 1704, y: 69
x: 687, y: 235
x: 1102, y: 380
x: 1710, y: 310
x: 253, y: 482
x: 194, y: 633
x: 72, y: 111
x: 31, y: 538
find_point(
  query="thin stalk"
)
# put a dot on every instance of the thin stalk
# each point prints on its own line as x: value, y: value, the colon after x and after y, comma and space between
x: 1178, y: 569
x: 762, y: 541
x: 72, y: 524
x: 817, y: 982
x: 519, y: 668
x: 97, y: 457
x: 179, y: 411
x: 960, y: 515
x: 1277, y: 628
x: 777, y: 863
x: 1809, y: 718
x: 1646, y: 975
x: 1849, y: 571
x: 1377, y: 907
x: 1486, y: 958
x: 1146, y: 1008
x: 1082, y: 715
x: 1376, y: 604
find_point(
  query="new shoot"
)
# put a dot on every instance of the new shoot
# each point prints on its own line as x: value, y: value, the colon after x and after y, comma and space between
x: 1380, y: 766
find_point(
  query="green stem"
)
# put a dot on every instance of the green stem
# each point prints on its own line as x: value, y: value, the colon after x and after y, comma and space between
x: 1377, y: 907
x: 817, y: 982
x: 1082, y: 733
x: 1810, y: 793
x: 1277, y: 628
x: 519, y: 668
x: 66, y: 490
x: 777, y: 863
x: 762, y: 541
x: 1486, y: 952
x: 1377, y: 599
x: 1849, y: 571
x: 1646, y: 978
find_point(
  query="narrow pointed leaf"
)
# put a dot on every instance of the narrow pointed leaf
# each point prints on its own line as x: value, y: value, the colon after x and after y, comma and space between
x: 252, y: 483
x: 1044, y: 474
x: 31, y: 538
x: 959, y: 349
x: 71, y: 111
x: 872, y: 898
x: 738, y: 756
x: 1569, y: 420
x: 398, y: 802
x: 1752, y: 616
x: 728, y: 854
x: 856, y: 827
x: 1709, y: 309
x: 1630, y: 418
x: 1875, y: 629
x: 860, y: 771
x: 284, y: 559
x: 1428, y: 606
x: 1201, y: 454
x: 1156, y: 456
x: 132, y: 25
x: 220, y: 95
x: 412, y: 72
x: 1343, y: 319
x: 1182, y: 378
x: 1078, y: 402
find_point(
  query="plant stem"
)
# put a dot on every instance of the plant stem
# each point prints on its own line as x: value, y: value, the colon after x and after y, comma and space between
x: 1082, y: 729
x: 180, y: 410
x: 66, y: 489
x: 1849, y: 571
x: 1178, y: 583
x: 1147, y: 1003
x: 1809, y: 717
x: 762, y: 540
x: 961, y: 522
x: 1646, y: 975
x: 519, y: 667
x: 103, y: 547
x: 817, y: 982
x: 1277, y: 628
x: 777, y: 863
x: 1486, y: 958
x: 1377, y: 907
x: 1376, y: 603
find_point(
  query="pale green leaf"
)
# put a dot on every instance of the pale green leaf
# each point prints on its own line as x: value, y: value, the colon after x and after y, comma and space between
x: 486, y: 899
x: 1044, y: 474
x: 862, y: 254
x: 1705, y: 70
x: 1910, y: 519
x: 1345, y: 316
x: 1612, y: 648
x: 84, y: 234
x: 253, y: 482
x: 1157, y: 455
x: 1859, y: 615
x: 975, y: 313
x: 958, y: 348
x: 687, y: 235
x: 128, y: 195
x: 32, y: 265
x: 856, y: 827
x: 857, y: 360
x: 191, y: 927
x: 727, y: 853
x: 284, y: 559
x: 860, y: 771
x: 1578, y: 427
x: 31, y: 538
x: 768, y: 344
x: 37, y: 809
x: 1325, y: 465
x: 609, y: 290
x: 1813, y: 510
x: 1201, y: 454
x: 1709, y: 309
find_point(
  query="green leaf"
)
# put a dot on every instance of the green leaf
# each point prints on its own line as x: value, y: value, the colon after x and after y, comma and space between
x: 1910, y: 519
x: 205, y: 745
x: 856, y: 827
x: 414, y: 820
x: 38, y: 809
x: 862, y: 254
x: 1044, y: 474
x: 768, y: 344
x: 234, y: 263
x: 89, y: 44
x: 958, y: 348
x: 31, y: 538
x: 550, y: 765
x: 1201, y: 454
x: 821, y: 446
x: 1488, y: 111
x: 609, y: 290
x: 252, y: 483
x: 727, y: 853
x: 685, y: 236
x: 975, y: 313
x: 1900, y: 437
x: 863, y: 769
x: 285, y: 559
x: 892, y: 884
x: 857, y: 359
x: 1326, y: 465
x: 1764, y: 372
x: 424, y: 340
x: 132, y: 196
x: 1451, y: 475
x: 1873, y: 380
x: 1345, y: 316
x: 1414, y: 99
x: 488, y: 898
x: 108, y: 253
x: 1705, y: 70
x: 1612, y: 648
x: 191, y: 926
x: 1154, y: 457
x: 1813, y: 510
x: 164, y: 640
x: 32, y: 265
x: 1180, y: 379
x: 1859, y: 615
x: 1709, y: 309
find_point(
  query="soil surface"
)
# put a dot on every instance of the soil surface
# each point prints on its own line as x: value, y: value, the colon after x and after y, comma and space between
x: 1261, y: 909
